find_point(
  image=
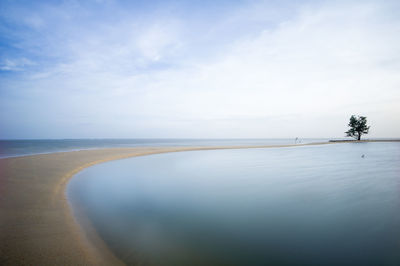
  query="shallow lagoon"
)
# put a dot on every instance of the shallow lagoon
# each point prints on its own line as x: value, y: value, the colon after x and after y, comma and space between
x: 311, y: 205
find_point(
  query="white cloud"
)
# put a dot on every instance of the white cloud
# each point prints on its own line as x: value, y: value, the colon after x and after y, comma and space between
x: 17, y: 64
x: 300, y: 76
x: 304, y: 65
x: 158, y: 40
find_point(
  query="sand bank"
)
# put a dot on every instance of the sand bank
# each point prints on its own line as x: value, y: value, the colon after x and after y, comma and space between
x: 36, y: 223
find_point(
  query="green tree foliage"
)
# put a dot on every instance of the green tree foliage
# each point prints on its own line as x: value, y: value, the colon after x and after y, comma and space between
x: 358, y: 126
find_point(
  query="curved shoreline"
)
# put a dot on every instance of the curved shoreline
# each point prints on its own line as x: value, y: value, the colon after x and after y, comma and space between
x: 37, y: 225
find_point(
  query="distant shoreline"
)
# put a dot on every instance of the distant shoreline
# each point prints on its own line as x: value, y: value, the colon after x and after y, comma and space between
x: 37, y: 225
x: 15, y: 148
x: 27, y: 147
x: 366, y: 140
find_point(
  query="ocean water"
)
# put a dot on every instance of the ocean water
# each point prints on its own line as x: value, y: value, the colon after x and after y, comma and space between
x: 333, y: 204
x: 11, y: 148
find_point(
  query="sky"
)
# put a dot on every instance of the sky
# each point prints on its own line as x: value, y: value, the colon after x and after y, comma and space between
x: 198, y: 69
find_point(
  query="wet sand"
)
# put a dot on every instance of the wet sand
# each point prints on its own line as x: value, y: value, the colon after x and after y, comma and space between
x: 37, y: 226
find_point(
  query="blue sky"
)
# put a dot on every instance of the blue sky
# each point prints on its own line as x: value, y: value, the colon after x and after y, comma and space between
x: 194, y: 69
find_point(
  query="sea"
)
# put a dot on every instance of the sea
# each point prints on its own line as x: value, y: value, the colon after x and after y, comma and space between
x: 307, y: 205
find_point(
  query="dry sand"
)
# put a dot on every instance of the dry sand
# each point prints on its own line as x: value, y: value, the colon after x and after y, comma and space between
x: 36, y: 223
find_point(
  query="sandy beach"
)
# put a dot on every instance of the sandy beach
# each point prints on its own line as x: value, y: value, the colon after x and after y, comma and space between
x: 37, y: 226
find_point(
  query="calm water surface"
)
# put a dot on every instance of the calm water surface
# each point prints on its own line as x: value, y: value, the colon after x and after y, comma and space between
x: 316, y: 205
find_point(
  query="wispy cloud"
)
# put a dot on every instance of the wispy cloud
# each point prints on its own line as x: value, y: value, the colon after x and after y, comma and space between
x: 183, y: 71
x: 15, y: 64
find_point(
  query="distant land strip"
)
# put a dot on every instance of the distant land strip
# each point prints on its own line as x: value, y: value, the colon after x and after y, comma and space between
x: 366, y: 140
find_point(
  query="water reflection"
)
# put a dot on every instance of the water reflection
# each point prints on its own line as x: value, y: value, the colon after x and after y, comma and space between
x: 321, y: 205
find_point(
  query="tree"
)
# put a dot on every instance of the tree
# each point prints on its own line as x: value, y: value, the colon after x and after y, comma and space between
x: 358, y: 126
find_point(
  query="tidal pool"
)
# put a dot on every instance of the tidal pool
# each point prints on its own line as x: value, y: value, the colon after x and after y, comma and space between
x: 311, y: 205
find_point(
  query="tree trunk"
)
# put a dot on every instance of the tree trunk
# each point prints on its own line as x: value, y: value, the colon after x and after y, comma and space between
x: 359, y: 136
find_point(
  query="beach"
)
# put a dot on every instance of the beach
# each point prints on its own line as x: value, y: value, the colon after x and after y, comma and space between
x: 37, y: 226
